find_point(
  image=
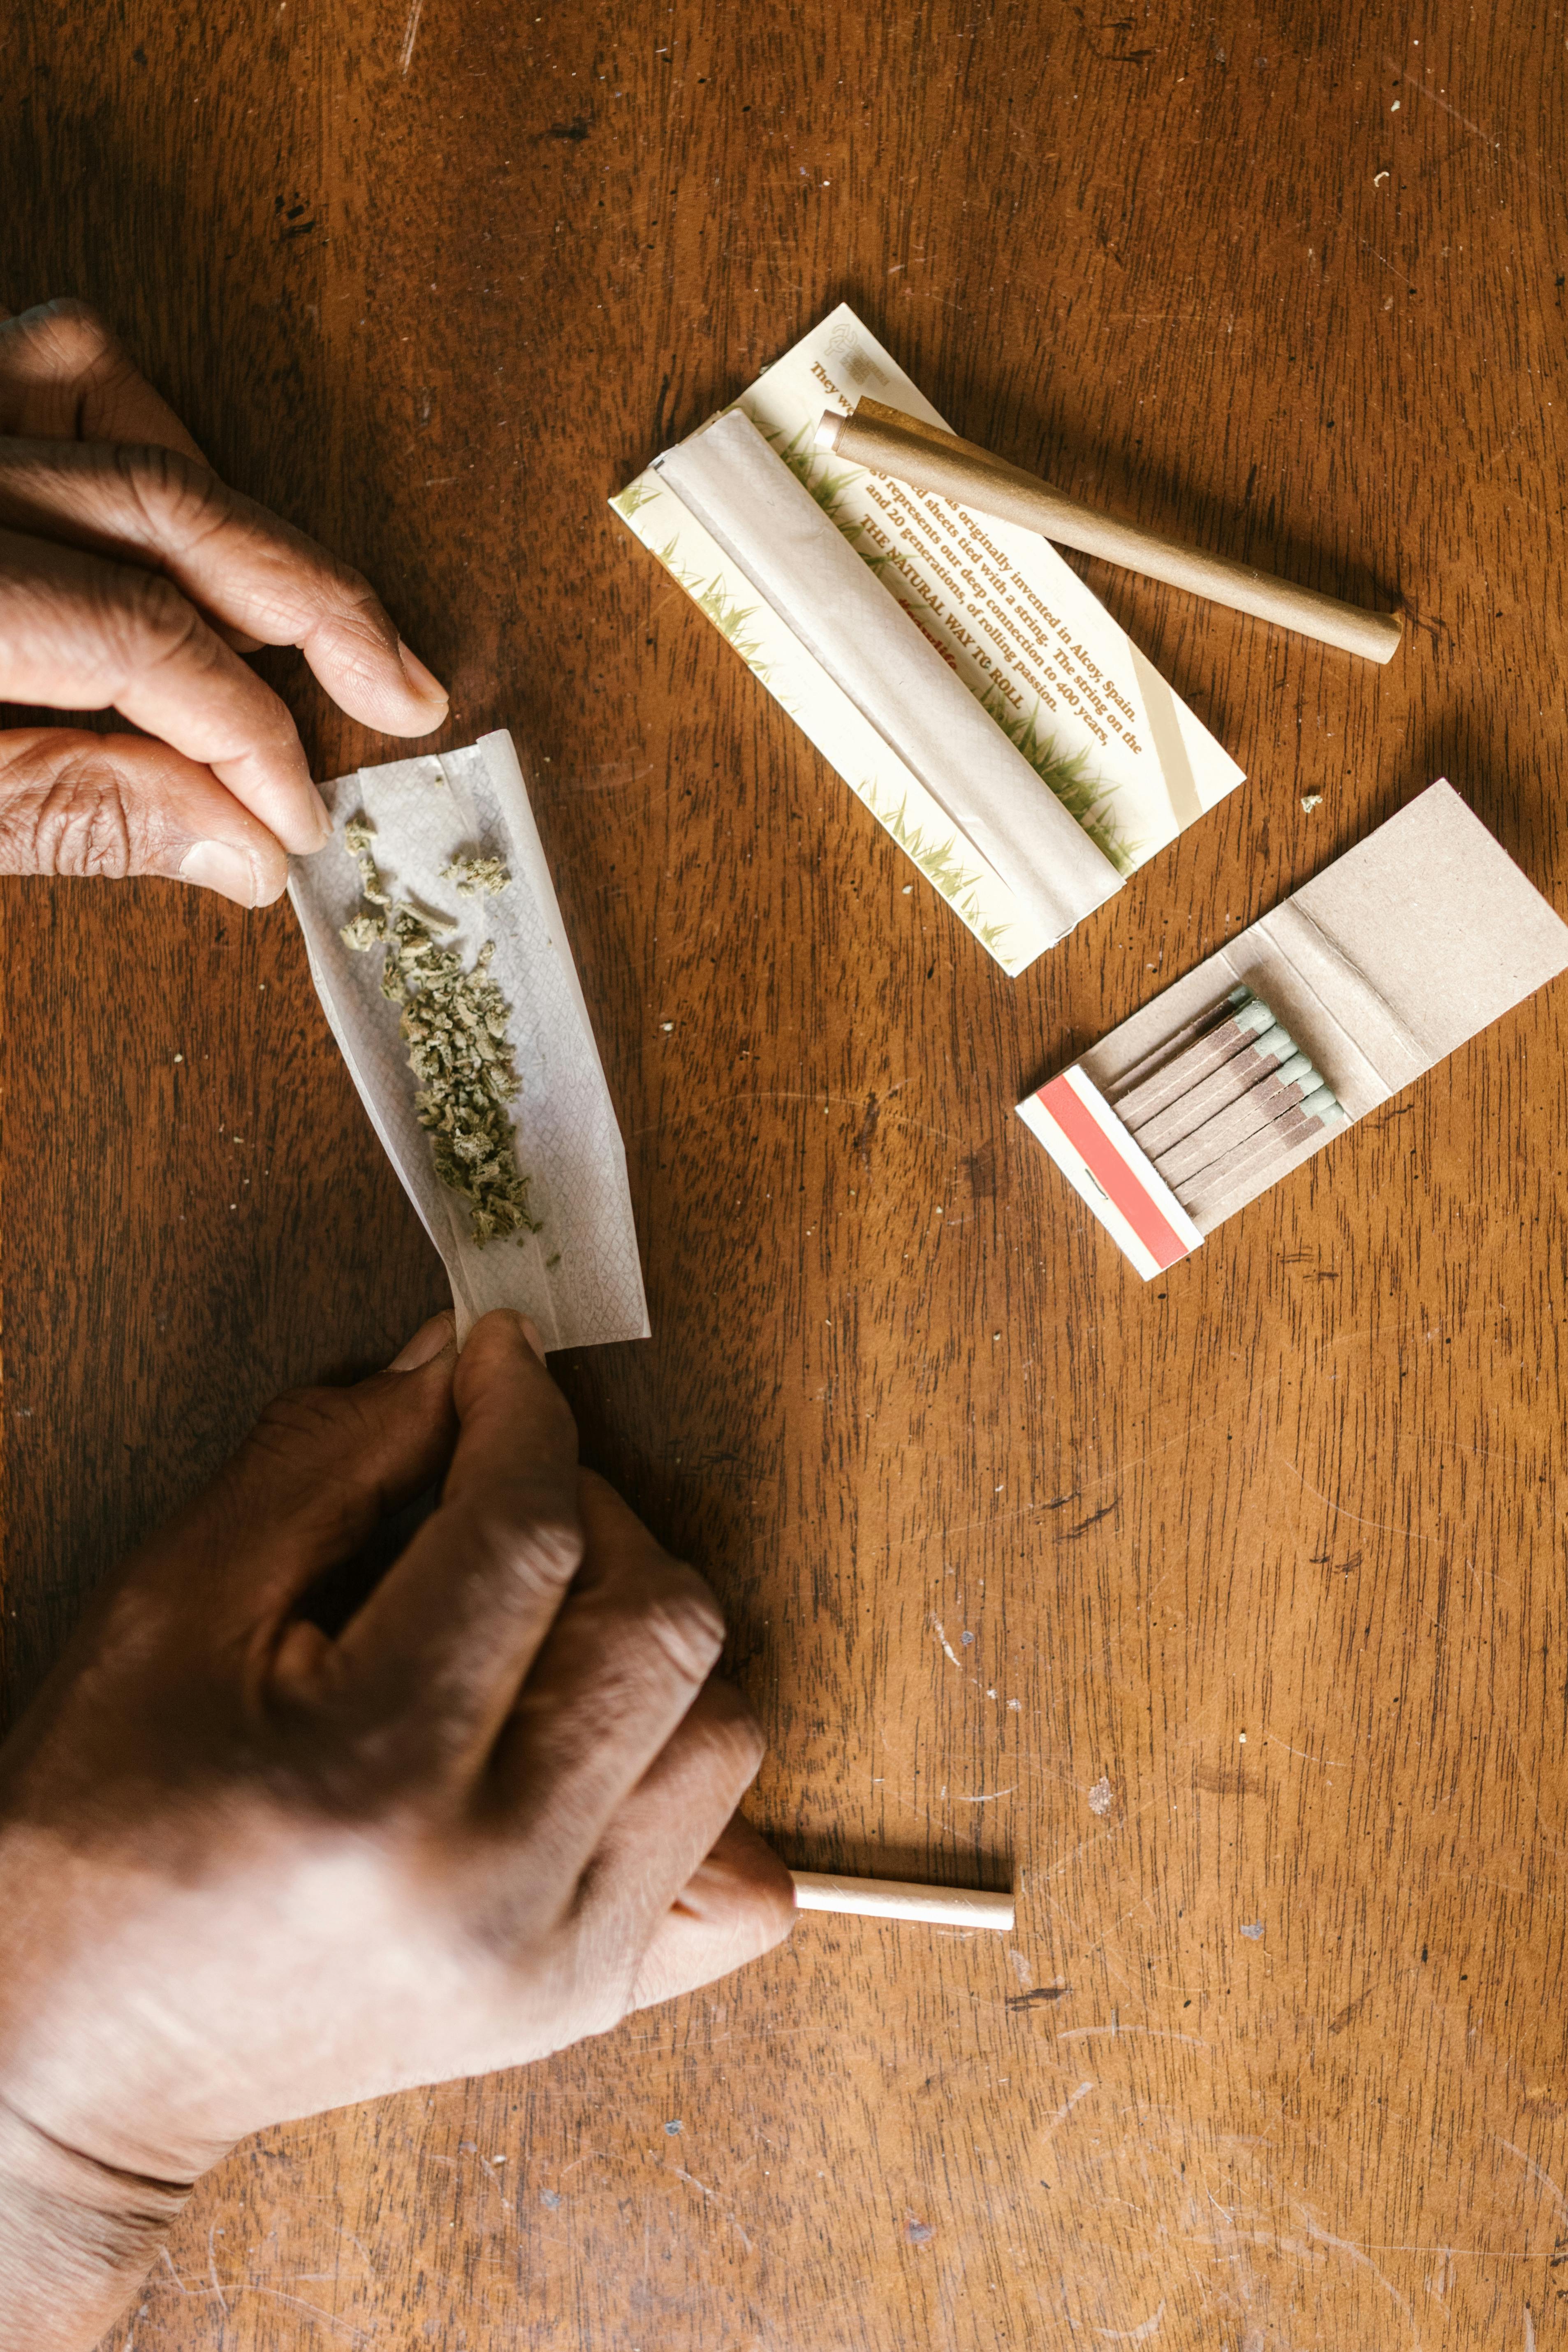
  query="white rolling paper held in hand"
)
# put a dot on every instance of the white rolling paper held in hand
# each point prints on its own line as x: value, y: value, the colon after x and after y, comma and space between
x: 579, y: 1275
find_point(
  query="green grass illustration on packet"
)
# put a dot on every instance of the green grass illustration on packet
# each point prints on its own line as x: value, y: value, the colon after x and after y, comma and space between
x: 941, y: 867
x: 728, y: 617
x: 1080, y: 794
x: 813, y: 472
x: 636, y: 496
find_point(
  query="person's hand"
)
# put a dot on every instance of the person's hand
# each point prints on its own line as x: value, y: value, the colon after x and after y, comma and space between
x: 249, y: 1869
x: 132, y: 578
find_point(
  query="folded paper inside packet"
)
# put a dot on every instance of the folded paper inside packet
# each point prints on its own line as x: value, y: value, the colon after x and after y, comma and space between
x: 438, y: 835
x: 802, y: 565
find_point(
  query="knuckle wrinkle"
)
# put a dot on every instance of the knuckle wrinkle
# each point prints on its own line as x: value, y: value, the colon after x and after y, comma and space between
x: 297, y: 1419
x: 76, y: 335
x: 81, y: 825
x: 551, y: 1548
x: 685, y: 1621
x: 156, y: 613
x: 540, y: 1551
x: 172, y: 492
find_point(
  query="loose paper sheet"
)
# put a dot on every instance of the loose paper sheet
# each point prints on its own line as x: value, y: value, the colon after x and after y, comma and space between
x: 1036, y: 649
x: 580, y: 1277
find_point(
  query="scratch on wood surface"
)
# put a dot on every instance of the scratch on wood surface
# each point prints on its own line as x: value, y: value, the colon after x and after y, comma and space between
x: 713, y: 2198
x: 1364, y: 2260
x: 1095, y: 1837
x: 1476, y: 130
x: 339, y: 2325
x: 602, y: 776
x: 1071, y: 1535
x: 1232, y: 2236
x: 1121, y: 2033
x: 1341, y: 1510
x: 1102, y: 1940
x: 341, y: 2230
x: 1139, y: 2334
x: 1460, y: 2253
x: 1333, y: 1761
x: 1194, y: 1425
x: 212, y: 2271
x: 1068, y: 2105
x: 1342, y: 2018
x: 1391, y: 266
x: 1532, y: 1791
x: 410, y: 35
x: 940, y: 1631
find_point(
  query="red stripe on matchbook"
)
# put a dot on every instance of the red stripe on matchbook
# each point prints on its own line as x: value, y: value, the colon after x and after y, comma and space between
x: 1111, y: 1171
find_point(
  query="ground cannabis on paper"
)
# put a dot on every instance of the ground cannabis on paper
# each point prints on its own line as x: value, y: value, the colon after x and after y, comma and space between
x: 454, y: 1023
x: 477, y: 877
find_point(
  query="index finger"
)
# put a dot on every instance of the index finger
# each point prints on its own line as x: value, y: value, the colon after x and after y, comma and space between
x: 78, y: 633
x: 460, y: 1617
x: 64, y: 377
x: 238, y: 563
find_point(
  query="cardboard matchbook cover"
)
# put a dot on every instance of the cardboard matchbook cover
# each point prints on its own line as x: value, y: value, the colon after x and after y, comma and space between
x: 957, y: 674
x: 1391, y: 956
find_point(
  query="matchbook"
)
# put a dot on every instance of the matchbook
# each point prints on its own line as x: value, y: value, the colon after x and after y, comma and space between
x: 1368, y: 975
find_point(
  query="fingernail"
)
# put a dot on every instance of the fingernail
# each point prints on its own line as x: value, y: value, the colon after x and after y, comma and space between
x: 418, y: 677
x: 531, y: 1333
x: 219, y: 865
x: 425, y: 1345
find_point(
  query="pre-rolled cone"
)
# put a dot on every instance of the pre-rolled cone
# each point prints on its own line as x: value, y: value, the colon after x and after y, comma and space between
x: 907, y: 450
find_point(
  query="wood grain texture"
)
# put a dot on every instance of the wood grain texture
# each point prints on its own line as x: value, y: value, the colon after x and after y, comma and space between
x: 1230, y: 1612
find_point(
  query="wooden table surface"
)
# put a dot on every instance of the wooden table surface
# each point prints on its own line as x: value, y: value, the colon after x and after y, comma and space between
x: 1227, y: 1613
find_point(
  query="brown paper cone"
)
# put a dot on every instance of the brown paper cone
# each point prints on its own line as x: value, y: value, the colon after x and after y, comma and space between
x: 886, y: 441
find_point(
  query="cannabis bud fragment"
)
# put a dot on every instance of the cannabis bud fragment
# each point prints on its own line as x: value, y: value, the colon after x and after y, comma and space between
x: 476, y: 878
x: 454, y: 1023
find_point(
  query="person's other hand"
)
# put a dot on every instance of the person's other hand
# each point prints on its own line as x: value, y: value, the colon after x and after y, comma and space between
x: 132, y: 578
x: 249, y: 1869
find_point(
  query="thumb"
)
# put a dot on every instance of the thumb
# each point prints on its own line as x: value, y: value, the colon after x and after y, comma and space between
x: 736, y: 1905
x: 71, y: 802
x: 316, y: 1477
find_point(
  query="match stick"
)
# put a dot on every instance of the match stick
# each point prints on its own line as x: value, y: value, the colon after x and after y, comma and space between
x: 1259, y: 1057
x: 1294, y: 1083
x: 1242, y: 1174
x: 886, y: 441
x: 890, y: 1898
x: 1191, y: 1033
x: 1143, y: 1097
